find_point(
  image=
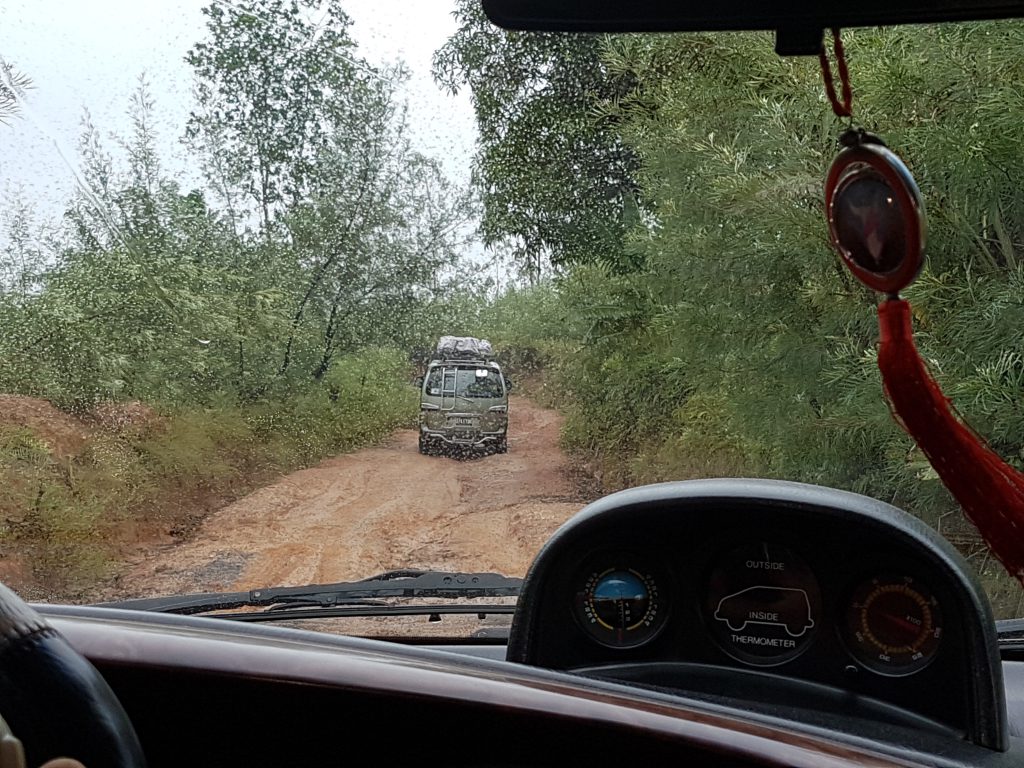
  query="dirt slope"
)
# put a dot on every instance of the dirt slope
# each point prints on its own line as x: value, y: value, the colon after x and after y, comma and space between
x: 64, y: 435
x: 389, y: 507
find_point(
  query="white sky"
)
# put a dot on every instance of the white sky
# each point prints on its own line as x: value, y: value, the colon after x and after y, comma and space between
x: 89, y: 54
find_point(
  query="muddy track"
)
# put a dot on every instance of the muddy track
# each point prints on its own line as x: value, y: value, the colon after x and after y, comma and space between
x: 380, y: 508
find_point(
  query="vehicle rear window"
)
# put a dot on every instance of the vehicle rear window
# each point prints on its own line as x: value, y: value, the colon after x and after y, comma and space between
x: 464, y: 382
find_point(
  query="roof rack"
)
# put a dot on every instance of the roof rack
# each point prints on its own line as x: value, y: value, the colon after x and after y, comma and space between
x: 464, y: 361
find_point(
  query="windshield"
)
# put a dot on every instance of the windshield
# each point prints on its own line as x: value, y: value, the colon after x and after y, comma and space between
x: 464, y: 382
x: 248, y: 247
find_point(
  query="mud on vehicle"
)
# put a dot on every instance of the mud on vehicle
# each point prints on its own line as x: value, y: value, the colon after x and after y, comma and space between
x: 463, y: 398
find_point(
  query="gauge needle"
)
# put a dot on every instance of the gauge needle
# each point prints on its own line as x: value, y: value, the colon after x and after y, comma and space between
x: 903, y: 622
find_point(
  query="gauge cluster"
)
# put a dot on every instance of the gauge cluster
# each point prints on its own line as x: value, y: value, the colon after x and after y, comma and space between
x: 806, y: 596
x: 762, y: 605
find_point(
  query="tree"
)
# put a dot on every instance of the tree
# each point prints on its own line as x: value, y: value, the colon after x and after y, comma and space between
x: 557, y: 181
x: 157, y: 294
x: 742, y: 346
x: 381, y: 223
x: 273, y: 88
x: 354, y: 225
x: 29, y: 247
x: 13, y: 85
x: 118, y: 308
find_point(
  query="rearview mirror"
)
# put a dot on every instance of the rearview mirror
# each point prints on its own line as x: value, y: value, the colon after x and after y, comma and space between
x: 705, y: 15
x: 418, y: 381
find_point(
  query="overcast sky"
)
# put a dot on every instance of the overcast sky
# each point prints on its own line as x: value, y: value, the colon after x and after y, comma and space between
x: 90, y: 54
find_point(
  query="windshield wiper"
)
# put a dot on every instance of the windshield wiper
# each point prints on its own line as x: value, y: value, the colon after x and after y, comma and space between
x: 354, y: 598
x: 1010, y: 634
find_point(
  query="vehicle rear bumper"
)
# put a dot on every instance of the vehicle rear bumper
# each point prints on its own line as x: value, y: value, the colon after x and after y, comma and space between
x: 470, y: 439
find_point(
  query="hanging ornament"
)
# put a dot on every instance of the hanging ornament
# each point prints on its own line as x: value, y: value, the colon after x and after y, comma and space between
x: 877, y: 225
x: 875, y: 214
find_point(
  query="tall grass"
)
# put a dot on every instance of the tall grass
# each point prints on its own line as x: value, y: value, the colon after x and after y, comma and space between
x: 71, y: 518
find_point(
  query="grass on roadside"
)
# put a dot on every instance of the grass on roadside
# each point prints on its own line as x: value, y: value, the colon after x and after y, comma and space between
x: 68, y: 519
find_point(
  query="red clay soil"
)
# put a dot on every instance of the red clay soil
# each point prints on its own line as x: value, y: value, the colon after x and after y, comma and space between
x: 62, y: 433
x: 377, y: 509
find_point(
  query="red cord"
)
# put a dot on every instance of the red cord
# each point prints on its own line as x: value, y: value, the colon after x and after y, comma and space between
x: 844, y: 108
x: 990, y: 491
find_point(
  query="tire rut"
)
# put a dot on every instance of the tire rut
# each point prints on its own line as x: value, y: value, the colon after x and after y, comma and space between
x: 358, y: 514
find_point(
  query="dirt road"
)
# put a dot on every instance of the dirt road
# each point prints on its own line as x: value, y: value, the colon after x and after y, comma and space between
x: 380, y: 508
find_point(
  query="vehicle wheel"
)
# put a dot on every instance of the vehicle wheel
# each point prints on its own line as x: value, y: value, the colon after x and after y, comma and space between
x: 502, y: 445
x: 424, y: 447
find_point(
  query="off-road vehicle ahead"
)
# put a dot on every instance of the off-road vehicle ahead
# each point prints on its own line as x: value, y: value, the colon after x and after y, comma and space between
x: 464, y: 398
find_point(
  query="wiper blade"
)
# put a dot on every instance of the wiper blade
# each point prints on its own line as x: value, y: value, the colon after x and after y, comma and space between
x: 359, y: 610
x: 1010, y: 633
x: 391, y: 584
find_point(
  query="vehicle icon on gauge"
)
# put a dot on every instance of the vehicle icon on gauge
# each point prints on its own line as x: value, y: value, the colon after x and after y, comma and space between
x: 779, y: 606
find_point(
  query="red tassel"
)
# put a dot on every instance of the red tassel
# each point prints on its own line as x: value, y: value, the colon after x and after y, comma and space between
x: 989, y: 490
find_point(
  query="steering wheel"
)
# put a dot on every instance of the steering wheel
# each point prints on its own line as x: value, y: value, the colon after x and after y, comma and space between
x: 54, y: 700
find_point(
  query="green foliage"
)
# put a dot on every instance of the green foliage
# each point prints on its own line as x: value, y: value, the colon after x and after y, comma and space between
x: 261, y: 314
x: 19, y: 447
x: 13, y: 85
x: 38, y: 503
x: 525, y: 326
x: 273, y: 87
x: 69, y: 515
x: 742, y: 289
x: 190, y: 447
x: 741, y: 346
x: 367, y: 397
x: 158, y: 295
x: 535, y: 97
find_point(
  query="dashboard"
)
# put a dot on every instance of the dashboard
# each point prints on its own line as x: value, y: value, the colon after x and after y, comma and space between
x: 790, y: 599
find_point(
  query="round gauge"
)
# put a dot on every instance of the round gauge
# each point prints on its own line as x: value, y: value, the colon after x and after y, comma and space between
x: 763, y: 604
x: 893, y: 625
x: 620, y: 605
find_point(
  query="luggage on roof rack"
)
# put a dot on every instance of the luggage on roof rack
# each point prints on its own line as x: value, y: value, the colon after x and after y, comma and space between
x: 463, y: 348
